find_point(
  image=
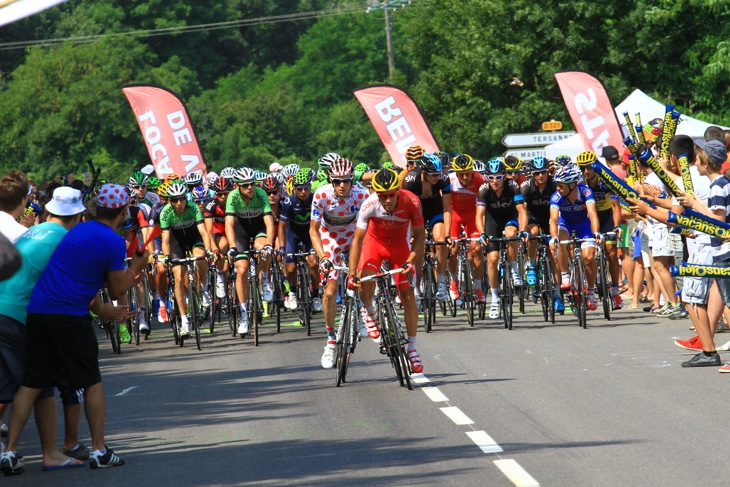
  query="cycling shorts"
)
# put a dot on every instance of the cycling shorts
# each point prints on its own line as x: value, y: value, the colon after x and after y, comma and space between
x: 433, y: 211
x: 292, y: 244
x: 494, y: 228
x: 544, y: 224
x: 179, y: 250
x: 374, y: 252
x: 243, y: 236
x: 468, y: 221
x: 335, y: 245
x: 582, y: 230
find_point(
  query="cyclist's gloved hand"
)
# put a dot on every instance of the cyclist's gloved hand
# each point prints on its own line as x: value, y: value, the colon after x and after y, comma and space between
x: 353, y: 281
x: 408, y: 268
x: 268, y: 249
x: 617, y: 231
x: 232, y: 252
x: 484, y: 239
x: 598, y: 236
x: 448, y: 239
x: 523, y: 234
x: 555, y: 241
x: 325, y: 265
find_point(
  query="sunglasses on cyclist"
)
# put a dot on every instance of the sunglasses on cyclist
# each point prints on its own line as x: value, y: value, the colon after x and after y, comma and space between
x: 540, y: 173
x: 246, y: 185
x: 337, y: 182
x: 201, y: 200
x: 272, y: 192
x: 512, y: 173
x: 303, y: 188
x: 142, y: 186
x: 497, y: 177
x: 177, y: 199
x: 385, y: 196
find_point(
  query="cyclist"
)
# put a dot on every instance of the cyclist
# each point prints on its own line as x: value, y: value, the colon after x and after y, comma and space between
x: 160, y: 276
x: 215, y: 222
x: 334, y: 213
x: 273, y: 185
x: 183, y: 230
x: 465, y: 184
x: 573, y: 210
x: 294, y: 224
x: 537, y: 191
x: 432, y: 186
x: 201, y: 197
x: 324, y: 164
x: 139, y: 182
x: 386, y: 221
x: 514, y: 167
x: 413, y: 156
x: 609, y: 217
x: 248, y: 216
x: 500, y: 211
x: 139, y: 219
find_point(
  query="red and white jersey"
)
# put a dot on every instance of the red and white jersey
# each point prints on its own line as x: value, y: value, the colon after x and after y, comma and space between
x: 337, y: 215
x: 391, y: 227
x: 464, y: 198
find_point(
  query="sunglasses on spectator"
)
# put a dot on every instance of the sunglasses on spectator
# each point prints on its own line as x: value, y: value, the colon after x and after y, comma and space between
x: 177, y: 199
x: 385, y: 196
x: 497, y: 177
x: 303, y: 188
x: 337, y: 182
x: 246, y: 185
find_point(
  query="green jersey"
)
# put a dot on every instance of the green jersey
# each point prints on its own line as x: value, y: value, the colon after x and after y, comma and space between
x: 249, y: 214
x: 184, y: 226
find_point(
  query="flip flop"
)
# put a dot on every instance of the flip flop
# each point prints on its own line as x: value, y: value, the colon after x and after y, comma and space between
x: 64, y: 466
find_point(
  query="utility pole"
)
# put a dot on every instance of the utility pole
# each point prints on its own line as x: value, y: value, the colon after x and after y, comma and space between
x: 386, y: 6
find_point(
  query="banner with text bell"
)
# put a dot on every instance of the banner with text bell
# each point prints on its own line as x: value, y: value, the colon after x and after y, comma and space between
x: 534, y: 140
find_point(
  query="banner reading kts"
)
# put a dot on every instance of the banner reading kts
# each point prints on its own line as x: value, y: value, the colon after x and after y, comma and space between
x: 397, y: 120
x: 166, y: 129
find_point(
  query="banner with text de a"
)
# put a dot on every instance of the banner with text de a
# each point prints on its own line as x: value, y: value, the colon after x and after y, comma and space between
x: 397, y: 120
x: 166, y: 128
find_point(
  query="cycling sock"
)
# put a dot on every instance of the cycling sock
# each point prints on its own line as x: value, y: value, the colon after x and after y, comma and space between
x: 477, y: 284
x: 265, y: 276
x: 220, y: 277
x: 244, y: 307
x: 411, y: 343
x: 495, y: 293
x: 441, y: 278
x: 417, y: 291
x: 370, y: 309
x: 532, y: 262
x: 184, y: 319
x: 565, y: 276
x: 515, y: 268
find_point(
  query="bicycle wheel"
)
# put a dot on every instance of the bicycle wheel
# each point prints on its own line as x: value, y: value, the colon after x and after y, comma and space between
x: 195, y: 312
x: 147, y: 303
x: 215, y: 301
x: 580, y: 293
x: 604, y: 285
x: 428, y: 298
x: 306, y: 291
x: 522, y: 291
x: 468, y: 289
x: 548, y: 284
x: 278, y: 293
x: 172, y: 314
x: 540, y: 289
x: 343, y: 341
x: 133, y: 322
x: 253, y: 309
x: 506, y: 296
x: 401, y: 342
x: 388, y: 336
x: 232, y: 304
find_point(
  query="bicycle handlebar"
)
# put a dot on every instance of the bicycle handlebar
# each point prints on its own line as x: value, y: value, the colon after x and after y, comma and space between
x: 381, y: 275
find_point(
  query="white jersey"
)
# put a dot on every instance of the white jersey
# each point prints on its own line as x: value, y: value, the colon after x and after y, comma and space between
x: 337, y: 216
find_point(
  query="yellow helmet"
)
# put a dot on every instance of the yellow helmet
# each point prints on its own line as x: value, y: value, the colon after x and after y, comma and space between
x: 385, y: 180
x: 586, y: 158
x: 513, y: 163
x: 462, y: 163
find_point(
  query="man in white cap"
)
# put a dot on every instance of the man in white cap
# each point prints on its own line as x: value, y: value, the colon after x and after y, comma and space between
x: 61, y: 336
x: 36, y: 246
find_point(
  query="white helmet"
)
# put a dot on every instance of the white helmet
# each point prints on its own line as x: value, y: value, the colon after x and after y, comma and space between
x: 244, y: 175
x: 228, y: 172
x: 194, y: 178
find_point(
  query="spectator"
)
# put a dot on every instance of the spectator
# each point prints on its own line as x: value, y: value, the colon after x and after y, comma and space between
x: 14, y: 196
x: 10, y: 259
x: 60, y: 332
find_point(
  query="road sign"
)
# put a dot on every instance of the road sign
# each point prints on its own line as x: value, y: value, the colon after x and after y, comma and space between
x: 552, y: 125
x: 534, y: 140
x: 526, y: 153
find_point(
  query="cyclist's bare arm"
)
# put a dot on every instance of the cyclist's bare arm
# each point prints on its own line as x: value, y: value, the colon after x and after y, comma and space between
x: 209, y: 229
x: 593, y: 217
x: 269, y: 222
x: 207, y: 240
x: 166, y: 242
x: 230, y: 233
x: 281, y: 237
x: 419, y: 243
x: 356, y: 247
x: 481, y: 214
x: 522, y: 217
x: 554, y: 217
x: 314, y: 227
x: 446, y: 200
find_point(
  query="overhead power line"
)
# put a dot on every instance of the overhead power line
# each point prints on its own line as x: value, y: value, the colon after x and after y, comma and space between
x: 274, y: 19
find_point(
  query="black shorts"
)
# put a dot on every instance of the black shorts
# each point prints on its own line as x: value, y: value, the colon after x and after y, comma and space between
x: 543, y: 224
x: 61, y: 346
x: 494, y: 228
x: 243, y: 235
x: 179, y: 250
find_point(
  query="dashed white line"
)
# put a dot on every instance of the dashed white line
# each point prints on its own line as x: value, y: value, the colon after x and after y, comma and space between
x: 484, y: 441
x: 457, y: 416
x: 513, y: 471
x: 419, y: 378
x: 435, y: 394
x: 125, y: 391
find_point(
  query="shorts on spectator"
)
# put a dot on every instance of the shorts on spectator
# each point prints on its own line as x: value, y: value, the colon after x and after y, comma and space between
x: 696, y: 289
x: 723, y: 285
x: 13, y: 343
x: 660, y: 244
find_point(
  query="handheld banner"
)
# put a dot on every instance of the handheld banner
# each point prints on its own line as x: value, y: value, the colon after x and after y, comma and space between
x: 684, y: 172
x: 634, y: 171
x: 590, y: 109
x: 697, y: 221
x: 166, y: 129
x: 397, y: 120
x: 685, y: 232
x: 671, y: 121
x: 632, y: 129
x: 617, y: 185
x: 647, y: 158
x: 696, y: 270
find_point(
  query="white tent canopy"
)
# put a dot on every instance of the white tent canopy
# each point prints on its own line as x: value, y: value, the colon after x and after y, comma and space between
x: 12, y: 10
x: 636, y: 102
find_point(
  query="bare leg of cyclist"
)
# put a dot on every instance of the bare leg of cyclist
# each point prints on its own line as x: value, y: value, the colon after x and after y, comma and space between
x: 493, y: 275
x: 181, y: 289
x: 408, y: 299
x: 329, y: 306
x: 511, y: 232
x: 242, y: 292
x: 476, y: 257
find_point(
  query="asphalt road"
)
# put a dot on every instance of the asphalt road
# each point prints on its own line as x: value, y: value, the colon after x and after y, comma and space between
x: 547, y: 404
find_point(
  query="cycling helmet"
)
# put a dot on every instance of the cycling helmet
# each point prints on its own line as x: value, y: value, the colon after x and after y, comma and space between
x: 260, y: 176
x: 133, y: 194
x: 445, y: 159
x: 138, y: 178
x: 210, y: 178
x: 313, y: 175
x: 341, y: 168
x: 326, y: 160
x: 463, y: 163
x: 569, y: 174
x: 414, y: 153
x: 480, y: 167
x: 562, y: 160
x: 162, y: 189
x: 177, y: 189
x: 228, y: 172
x: 362, y: 167
x: 290, y: 170
x: 302, y: 177
x: 539, y: 163
x: 200, y: 193
x: 153, y: 183
x: 194, y: 178
x: 271, y: 183
x: 244, y: 175
x: 388, y: 165
x: 385, y: 180
x: 431, y: 163
x: 172, y: 177
x: 222, y: 185
x: 275, y: 167
x: 496, y: 165
x: 586, y: 158
x: 513, y: 163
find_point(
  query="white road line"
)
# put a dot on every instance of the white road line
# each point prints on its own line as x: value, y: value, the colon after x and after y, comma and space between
x: 516, y: 473
x: 435, y: 394
x: 125, y: 391
x: 484, y: 441
x: 457, y: 416
x: 419, y: 378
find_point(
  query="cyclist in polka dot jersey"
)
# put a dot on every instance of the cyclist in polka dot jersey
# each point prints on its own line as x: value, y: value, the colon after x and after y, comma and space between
x: 334, y: 214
